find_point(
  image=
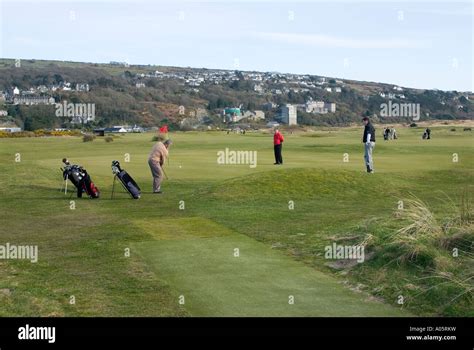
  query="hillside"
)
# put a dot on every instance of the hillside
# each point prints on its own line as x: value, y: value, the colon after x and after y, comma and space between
x: 195, y: 97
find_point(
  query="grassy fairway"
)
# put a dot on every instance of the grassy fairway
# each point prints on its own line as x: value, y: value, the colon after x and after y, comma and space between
x: 257, y: 282
x: 190, y: 251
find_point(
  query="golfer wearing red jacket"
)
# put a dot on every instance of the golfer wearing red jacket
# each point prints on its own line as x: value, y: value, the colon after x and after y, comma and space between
x: 277, y: 144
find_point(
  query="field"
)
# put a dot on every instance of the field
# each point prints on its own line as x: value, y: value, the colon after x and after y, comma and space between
x: 231, y: 240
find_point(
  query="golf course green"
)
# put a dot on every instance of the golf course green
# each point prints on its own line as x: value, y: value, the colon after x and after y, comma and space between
x: 231, y: 239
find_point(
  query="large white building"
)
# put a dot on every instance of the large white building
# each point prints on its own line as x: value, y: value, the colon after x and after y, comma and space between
x: 288, y: 114
x: 319, y: 107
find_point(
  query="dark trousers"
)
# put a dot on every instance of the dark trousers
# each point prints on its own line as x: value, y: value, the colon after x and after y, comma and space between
x: 278, y: 157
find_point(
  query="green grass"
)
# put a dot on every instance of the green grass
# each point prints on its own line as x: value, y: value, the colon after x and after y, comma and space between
x: 189, y: 252
x: 259, y: 282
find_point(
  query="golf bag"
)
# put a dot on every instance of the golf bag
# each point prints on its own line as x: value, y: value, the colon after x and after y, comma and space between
x: 127, y: 181
x: 80, y: 179
x: 425, y: 135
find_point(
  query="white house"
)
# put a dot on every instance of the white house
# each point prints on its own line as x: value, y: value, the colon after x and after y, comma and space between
x: 116, y: 129
x: 10, y: 129
x: 258, y: 88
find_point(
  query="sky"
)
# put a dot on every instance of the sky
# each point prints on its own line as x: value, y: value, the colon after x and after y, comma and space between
x: 423, y: 44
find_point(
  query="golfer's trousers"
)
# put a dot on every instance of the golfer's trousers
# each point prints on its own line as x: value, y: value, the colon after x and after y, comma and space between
x: 369, y: 161
x: 278, y: 157
x: 157, y: 173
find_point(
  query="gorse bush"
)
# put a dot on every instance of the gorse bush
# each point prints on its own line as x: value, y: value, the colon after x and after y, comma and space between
x: 39, y: 133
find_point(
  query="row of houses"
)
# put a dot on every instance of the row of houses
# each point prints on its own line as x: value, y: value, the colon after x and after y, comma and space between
x: 33, y: 100
x: 391, y: 95
x: 216, y: 77
x: 38, y: 95
x: 260, y: 89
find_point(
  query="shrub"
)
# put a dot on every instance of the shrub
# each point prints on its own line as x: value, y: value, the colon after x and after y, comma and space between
x: 413, y: 125
x: 42, y: 132
x: 467, y: 129
x: 453, y: 129
x: 39, y: 133
x: 88, y: 138
x: 66, y: 133
x: 108, y: 139
x: 186, y: 128
x: 17, y: 134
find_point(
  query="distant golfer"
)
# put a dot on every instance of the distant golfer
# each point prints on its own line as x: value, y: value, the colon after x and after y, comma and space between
x: 156, y: 160
x: 386, y: 133
x: 369, y: 141
x: 428, y: 133
x: 277, y: 144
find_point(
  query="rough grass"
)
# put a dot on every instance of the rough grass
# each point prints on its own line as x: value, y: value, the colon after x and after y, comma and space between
x: 432, y: 262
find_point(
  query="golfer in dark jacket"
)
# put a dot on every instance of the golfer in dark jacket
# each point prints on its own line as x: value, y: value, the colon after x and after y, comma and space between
x: 369, y: 141
x: 277, y: 144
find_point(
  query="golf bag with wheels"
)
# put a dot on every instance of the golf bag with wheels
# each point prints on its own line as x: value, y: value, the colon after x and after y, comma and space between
x: 127, y: 181
x: 80, y: 179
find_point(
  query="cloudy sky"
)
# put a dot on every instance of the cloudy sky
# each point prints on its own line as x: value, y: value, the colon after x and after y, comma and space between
x: 423, y: 44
